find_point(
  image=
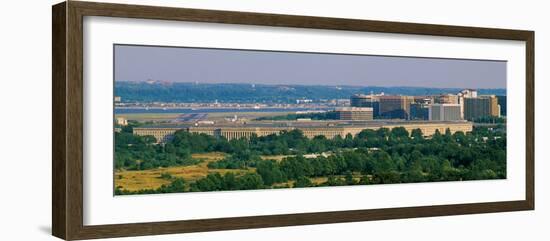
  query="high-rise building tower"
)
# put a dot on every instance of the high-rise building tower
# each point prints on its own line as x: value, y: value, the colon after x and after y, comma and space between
x: 466, y: 93
x: 482, y: 106
x: 371, y: 101
x: 395, y: 107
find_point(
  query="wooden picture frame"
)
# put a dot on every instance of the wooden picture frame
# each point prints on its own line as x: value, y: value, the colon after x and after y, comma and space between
x: 67, y: 137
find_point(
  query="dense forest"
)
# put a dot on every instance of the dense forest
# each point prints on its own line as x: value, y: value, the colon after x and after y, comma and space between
x: 371, y: 157
x: 247, y: 93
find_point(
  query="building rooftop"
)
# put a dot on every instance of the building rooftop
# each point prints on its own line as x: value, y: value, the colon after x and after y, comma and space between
x: 306, y: 124
x: 354, y: 109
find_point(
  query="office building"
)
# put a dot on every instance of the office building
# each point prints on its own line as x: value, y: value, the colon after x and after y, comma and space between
x: 444, y: 112
x: 502, y: 103
x: 371, y: 101
x: 395, y: 107
x: 446, y: 99
x: 482, y: 106
x: 355, y: 113
x: 419, y: 111
x: 468, y: 93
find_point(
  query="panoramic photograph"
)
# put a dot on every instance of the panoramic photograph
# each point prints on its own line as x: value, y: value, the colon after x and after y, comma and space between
x: 190, y: 119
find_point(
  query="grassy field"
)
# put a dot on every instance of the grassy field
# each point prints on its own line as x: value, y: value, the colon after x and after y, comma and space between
x: 151, y: 179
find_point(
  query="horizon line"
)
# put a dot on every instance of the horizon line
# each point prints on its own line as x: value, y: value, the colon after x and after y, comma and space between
x: 264, y: 84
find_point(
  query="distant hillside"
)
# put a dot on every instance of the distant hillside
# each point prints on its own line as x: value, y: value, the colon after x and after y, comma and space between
x: 242, y: 93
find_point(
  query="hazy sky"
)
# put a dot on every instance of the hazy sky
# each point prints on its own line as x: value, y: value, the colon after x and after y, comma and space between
x: 139, y: 63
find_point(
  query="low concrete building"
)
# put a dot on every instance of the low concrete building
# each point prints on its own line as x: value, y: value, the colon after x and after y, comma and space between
x: 163, y: 134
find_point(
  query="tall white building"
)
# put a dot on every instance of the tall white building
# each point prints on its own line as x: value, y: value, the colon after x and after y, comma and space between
x: 444, y: 112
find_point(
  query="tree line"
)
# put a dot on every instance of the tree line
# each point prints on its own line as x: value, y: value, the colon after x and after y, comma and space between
x: 371, y: 157
x: 134, y: 91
